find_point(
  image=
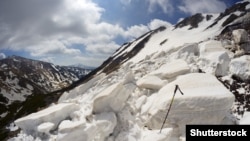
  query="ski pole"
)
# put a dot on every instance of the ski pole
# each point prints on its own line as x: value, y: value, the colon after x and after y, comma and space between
x: 172, y: 100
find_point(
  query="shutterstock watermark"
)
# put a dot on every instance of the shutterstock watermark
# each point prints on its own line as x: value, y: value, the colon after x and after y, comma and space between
x: 217, y: 132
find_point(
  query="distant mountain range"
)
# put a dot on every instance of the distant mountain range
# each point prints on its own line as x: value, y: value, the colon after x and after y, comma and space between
x: 82, y: 66
x: 22, y: 78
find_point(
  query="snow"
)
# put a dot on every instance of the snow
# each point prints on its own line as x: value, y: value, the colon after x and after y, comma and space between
x: 151, y: 82
x: 12, y: 127
x: 240, y: 36
x: 208, y: 99
x: 3, y: 65
x: 214, y: 58
x: 178, y: 37
x: 113, y: 98
x: 3, y: 115
x: 241, y: 67
x: 153, y: 135
x: 245, y: 119
x: 29, y: 87
x: 131, y: 46
x: 248, y: 6
x: 102, y: 126
x: 53, y: 114
x: 45, y: 127
x: 172, y: 69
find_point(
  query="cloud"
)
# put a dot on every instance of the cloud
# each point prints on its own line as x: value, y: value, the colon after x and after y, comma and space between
x: 125, y: 2
x: 2, y: 55
x: 202, y: 6
x: 165, y: 5
x: 52, y: 48
x: 46, y: 28
x: 155, y: 23
x: 70, y: 29
x: 135, y: 31
x: 48, y: 59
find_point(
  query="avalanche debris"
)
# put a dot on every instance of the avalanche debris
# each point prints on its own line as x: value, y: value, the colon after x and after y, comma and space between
x: 129, y: 103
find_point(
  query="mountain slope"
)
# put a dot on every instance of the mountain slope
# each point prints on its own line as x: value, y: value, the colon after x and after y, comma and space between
x: 127, y: 97
x: 24, y: 84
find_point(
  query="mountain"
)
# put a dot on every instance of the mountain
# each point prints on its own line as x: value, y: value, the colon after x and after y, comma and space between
x: 82, y: 66
x: 19, y: 76
x: 203, y: 61
x: 22, y: 79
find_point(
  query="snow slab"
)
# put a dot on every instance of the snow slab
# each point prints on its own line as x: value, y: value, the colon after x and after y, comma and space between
x: 205, y: 101
x: 214, y: 58
x: 80, y: 89
x: 54, y: 114
x: 241, y: 67
x: 188, y: 49
x: 172, y: 69
x: 240, y: 36
x: 155, y: 135
x: 100, y: 128
x: 45, y: 127
x: 150, y: 82
x: 113, y: 98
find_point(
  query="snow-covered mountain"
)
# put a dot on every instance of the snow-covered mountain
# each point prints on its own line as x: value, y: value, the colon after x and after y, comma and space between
x: 22, y: 78
x: 82, y: 66
x: 206, y: 56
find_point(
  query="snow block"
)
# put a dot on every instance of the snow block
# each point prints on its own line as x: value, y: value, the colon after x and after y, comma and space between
x: 54, y: 114
x: 80, y: 89
x: 205, y: 101
x: 100, y: 128
x: 189, y: 48
x: 240, y: 36
x: 214, y: 58
x: 113, y: 98
x: 241, y: 67
x: 45, y: 127
x: 172, y: 69
x: 150, y: 82
x: 154, y: 135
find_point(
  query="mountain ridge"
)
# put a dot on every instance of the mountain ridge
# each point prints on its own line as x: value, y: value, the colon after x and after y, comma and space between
x: 24, y: 81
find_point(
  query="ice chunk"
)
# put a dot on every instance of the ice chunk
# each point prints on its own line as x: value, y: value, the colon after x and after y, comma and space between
x: 205, y: 101
x: 172, y: 69
x: 150, y: 82
x: 53, y: 114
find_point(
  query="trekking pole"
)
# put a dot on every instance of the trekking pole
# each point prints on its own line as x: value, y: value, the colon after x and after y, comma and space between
x: 172, y: 100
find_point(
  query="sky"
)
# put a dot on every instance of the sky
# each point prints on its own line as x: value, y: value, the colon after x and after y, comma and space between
x: 66, y: 32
